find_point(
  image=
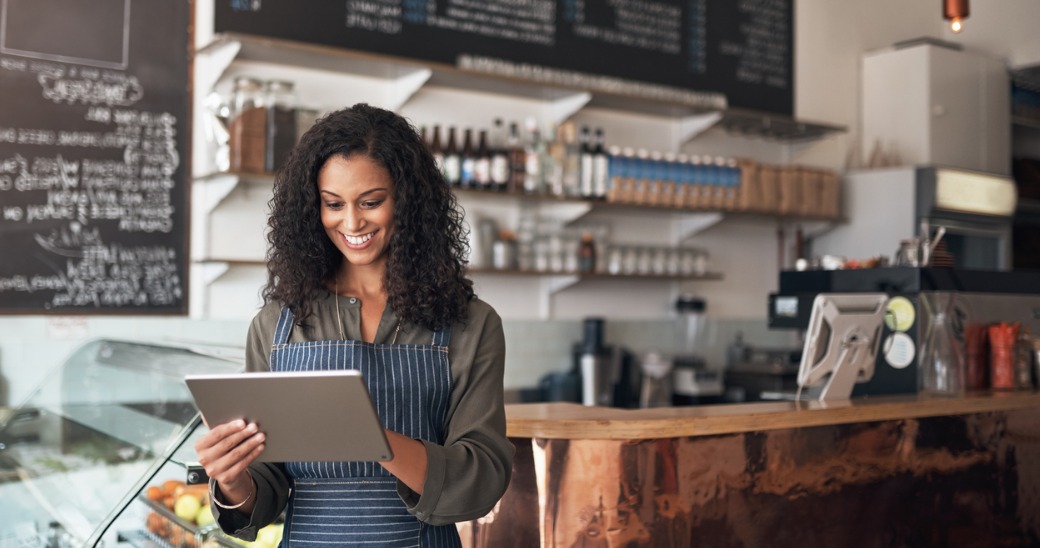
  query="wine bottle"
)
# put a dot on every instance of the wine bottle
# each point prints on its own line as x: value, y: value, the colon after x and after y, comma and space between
x: 482, y: 167
x: 600, y: 163
x: 517, y: 159
x: 437, y: 150
x: 468, y: 160
x: 452, y: 160
x: 500, y: 170
x: 587, y: 188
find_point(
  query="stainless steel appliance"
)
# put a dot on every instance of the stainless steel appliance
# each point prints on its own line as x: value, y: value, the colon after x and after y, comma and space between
x: 888, y: 206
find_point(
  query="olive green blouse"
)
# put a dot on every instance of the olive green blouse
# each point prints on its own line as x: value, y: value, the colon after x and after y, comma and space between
x: 467, y: 475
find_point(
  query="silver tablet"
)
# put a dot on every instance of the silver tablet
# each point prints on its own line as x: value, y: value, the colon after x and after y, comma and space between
x: 306, y: 415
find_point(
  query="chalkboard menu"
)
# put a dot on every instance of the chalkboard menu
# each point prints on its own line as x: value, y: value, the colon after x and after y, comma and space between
x: 94, y: 135
x: 742, y: 49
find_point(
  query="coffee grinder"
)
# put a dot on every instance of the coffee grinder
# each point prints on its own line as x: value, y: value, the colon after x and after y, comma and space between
x: 608, y: 374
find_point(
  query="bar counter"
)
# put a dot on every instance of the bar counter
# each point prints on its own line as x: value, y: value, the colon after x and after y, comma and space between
x: 575, y: 421
x: 881, y: 471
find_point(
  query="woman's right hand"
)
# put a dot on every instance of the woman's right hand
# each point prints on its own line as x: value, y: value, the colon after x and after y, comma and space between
x: 226, y: 452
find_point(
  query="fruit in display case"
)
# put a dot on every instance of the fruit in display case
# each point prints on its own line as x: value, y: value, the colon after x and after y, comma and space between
x: 204, y: 516
x: 181, y: 515
x: 269, y: 536
x: 187, y: 507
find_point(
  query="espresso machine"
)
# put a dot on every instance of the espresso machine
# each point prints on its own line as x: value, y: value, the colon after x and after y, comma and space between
x: 965, y: 300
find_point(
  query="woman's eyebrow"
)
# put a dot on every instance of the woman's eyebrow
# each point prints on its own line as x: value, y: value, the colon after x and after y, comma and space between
x: 369, y: 191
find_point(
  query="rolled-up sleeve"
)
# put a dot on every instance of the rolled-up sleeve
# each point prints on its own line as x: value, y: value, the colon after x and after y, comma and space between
x: 467, y: 475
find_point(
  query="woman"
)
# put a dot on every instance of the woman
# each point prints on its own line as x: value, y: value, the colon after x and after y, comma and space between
x: 367, y: 244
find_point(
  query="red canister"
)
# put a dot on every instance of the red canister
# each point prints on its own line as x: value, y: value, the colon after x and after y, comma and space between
x: 1002, y: 339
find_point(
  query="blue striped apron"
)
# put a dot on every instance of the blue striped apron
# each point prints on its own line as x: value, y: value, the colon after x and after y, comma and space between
x: 356, y: 503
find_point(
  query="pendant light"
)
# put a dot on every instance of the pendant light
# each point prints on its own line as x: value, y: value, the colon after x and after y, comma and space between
x: 955, y: 11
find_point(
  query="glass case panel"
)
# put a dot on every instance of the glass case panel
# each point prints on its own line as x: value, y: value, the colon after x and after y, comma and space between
x: 101, y: 427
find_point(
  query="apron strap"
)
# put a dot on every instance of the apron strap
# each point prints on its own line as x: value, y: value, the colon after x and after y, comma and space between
x: 442, y: 337
x: 285, y: 324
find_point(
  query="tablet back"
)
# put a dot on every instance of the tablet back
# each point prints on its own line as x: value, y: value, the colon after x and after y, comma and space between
x: 306, y: 415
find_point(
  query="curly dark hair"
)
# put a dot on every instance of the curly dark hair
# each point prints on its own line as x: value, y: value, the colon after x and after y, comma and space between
x: 425, y: 274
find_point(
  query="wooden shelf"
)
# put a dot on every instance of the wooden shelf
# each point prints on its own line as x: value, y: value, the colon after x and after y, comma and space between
x: 603, y: 204
x: 565, y: 91
x: 708, y: 276
x: 268, y: 178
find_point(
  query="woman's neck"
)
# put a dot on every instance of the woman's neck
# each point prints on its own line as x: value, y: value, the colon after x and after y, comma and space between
x: 364, y: 282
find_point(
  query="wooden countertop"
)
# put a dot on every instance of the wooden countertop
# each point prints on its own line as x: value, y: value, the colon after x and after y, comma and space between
x: 574, y: 421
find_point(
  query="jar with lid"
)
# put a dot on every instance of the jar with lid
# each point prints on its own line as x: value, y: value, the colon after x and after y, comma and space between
x: 587, y: 253
x: 247, y: 126
x: 281, y: 123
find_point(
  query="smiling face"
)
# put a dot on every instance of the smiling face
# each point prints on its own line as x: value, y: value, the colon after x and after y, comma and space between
x: 357, y: 208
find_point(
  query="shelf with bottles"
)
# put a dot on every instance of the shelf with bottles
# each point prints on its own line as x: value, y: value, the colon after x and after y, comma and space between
x: 582, y: 170
x: 707, y: 276
x: 541, y: 244
x: 406, y: 77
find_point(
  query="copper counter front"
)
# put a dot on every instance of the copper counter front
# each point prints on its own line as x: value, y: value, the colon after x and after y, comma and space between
x: 963, y: 480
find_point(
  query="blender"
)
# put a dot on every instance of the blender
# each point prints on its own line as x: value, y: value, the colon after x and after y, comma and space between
x: 692, y: 382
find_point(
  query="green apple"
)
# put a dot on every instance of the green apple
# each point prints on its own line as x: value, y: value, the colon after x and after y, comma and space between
x: 187, y: 507
x: 269, y: 536
x: 204, y: 517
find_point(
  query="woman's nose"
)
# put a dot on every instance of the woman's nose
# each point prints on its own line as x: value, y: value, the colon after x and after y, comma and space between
x: 352, y: 219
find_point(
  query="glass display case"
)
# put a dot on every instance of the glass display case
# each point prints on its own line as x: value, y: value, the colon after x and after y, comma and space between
x: 102, y: 452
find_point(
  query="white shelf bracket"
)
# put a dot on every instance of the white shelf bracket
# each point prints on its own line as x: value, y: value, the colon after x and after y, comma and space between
x: 206, y: 195
x: 209, y: 193
x: 564, y: 107
x: 690, y: 224
x: 406, y: 85
x: 566, y: 212
x: 212, y: 61
x: 202, y: 275
x: 692, y: 126
x: 551, y: 285
x: 212, y: 270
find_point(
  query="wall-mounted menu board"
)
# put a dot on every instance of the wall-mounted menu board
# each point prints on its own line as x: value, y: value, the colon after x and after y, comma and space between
x: 94, y: 136
x: 742, y: 49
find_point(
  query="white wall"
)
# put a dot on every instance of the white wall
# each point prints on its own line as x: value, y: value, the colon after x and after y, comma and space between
x: 830, y: 38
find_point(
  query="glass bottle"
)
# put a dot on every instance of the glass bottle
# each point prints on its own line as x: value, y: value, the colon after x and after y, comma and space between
x: 587, y: 173
x: 437, y: 150
x: 247, y: 126
x: 600, y: 165
x: 482, y: 168
x: 517, y: 159
x: 281, y: 123
x: 572, y: 160
x: 500, y: 170
x: 468, y: 161
x: 532, y: 158
x: 452, y: 160
x: 942, y: 365
x: 587, y: 254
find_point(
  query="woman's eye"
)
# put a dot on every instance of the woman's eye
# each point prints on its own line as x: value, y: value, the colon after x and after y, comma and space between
x: 369, y: 204
x: 334, y: 205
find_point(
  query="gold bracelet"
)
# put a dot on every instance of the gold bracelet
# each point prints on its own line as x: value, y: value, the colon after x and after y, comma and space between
x: 213, y: 495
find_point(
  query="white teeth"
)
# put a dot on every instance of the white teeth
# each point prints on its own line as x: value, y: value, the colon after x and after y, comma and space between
x: 357, y: 240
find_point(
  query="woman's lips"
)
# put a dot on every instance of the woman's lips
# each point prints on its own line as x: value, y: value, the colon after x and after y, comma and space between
x: 358, y: 242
